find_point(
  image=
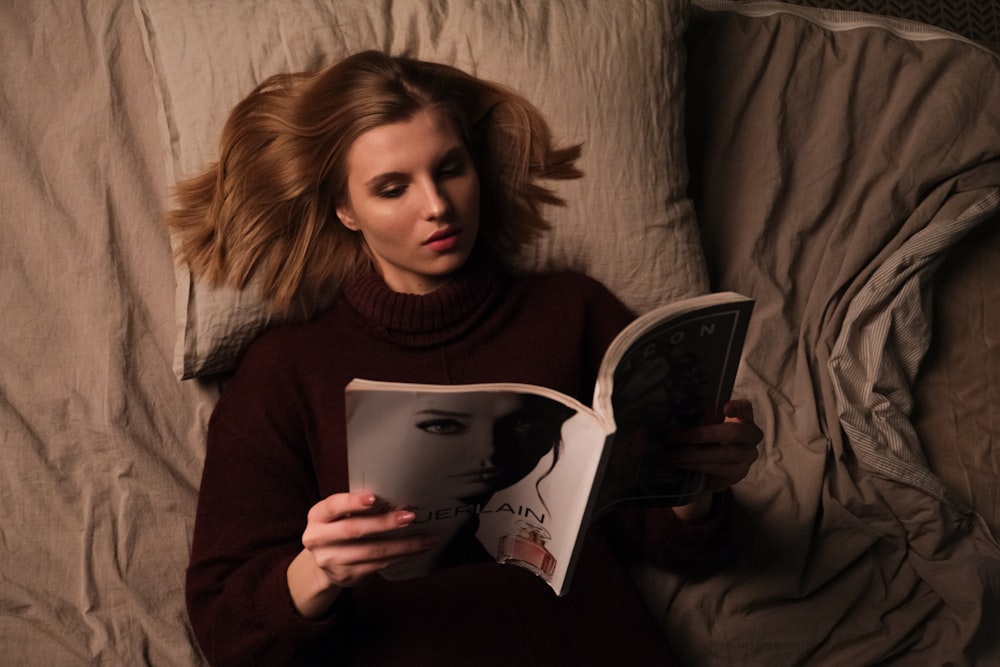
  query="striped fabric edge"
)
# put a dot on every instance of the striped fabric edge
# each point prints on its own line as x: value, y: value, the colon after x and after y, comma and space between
x: 885, y: 335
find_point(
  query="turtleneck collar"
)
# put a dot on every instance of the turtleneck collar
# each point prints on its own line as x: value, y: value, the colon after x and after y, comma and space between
x: 429, y: 319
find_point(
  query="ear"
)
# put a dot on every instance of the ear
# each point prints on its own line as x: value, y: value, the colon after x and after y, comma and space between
x: 346, y: 216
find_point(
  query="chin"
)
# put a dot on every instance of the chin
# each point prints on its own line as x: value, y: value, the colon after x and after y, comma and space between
x: 453, y: 262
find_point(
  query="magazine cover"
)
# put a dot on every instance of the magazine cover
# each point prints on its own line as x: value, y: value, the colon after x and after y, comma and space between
x: 514, y: 473
x: 500, y: 473
x: 662, y: 374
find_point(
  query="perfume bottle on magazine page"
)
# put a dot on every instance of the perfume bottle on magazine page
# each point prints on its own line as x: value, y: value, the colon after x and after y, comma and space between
x: 527, y: 549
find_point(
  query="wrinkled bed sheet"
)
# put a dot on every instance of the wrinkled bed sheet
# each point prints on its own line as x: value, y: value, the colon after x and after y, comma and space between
x: 811, y: 192
x: 835, y: 165
x: 101, y: 446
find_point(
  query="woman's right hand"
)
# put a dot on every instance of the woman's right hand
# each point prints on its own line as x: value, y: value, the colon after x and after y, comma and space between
x: 343, y: 545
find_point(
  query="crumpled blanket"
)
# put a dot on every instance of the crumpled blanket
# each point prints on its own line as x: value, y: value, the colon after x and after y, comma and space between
x: 835, y: 161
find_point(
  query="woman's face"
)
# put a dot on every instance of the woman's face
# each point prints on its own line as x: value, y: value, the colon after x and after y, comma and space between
x: 457, y: 445
x: 413, y: 194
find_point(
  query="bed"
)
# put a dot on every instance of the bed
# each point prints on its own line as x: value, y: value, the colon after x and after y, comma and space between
x: 841, y: 168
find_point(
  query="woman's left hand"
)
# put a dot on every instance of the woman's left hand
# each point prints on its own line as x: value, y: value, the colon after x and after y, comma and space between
x: 724, y: 452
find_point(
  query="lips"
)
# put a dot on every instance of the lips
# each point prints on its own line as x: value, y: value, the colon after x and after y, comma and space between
x: 483, y: 475
x: 442, y: 240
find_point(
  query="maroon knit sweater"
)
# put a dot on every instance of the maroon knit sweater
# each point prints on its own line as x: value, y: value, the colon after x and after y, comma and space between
x: 276, y: 446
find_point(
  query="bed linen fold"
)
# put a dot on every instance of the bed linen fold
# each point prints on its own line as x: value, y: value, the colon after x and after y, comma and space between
x: 101, y: 446
x: 834, y: 165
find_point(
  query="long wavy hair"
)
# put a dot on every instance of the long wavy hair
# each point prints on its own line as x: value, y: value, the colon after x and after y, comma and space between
x: 266, y: 210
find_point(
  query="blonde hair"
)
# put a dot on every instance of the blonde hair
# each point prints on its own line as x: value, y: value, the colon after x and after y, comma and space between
x: 266, y: 209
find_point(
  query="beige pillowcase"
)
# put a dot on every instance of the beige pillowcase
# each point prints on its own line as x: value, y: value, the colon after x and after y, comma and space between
x: 607, y: 74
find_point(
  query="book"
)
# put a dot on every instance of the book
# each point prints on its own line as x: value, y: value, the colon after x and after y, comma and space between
x: 515, y: 473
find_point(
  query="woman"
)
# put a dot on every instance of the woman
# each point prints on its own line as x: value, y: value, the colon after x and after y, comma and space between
x: 391, y: 191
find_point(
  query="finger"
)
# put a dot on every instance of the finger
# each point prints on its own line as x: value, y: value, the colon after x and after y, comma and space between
x: 739, y: 410
x: 730, y: 431
x: 721, y: 474
x: 346, y: 576
x: 353, y: 527
x: 341, y: 505
x: 349, y: 561
x: 374, y: 551
x: 702, y: 456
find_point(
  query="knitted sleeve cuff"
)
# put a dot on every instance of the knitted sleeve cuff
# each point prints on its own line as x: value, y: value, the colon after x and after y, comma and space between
x: 697, y: 549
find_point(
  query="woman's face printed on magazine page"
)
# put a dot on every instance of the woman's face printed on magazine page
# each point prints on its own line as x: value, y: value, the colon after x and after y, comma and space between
x: 460, y: 445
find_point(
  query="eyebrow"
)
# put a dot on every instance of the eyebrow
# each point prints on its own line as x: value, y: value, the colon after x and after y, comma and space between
x: 378, y: 180
x: 444, y: 413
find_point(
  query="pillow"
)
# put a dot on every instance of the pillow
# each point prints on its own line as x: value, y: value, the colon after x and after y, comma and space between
x: 609, y: 75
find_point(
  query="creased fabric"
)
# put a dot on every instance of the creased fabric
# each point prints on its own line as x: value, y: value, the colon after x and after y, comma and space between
x: 835, y: 161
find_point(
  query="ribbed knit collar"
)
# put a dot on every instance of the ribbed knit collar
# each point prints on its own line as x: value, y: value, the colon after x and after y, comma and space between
x: 429, y: 319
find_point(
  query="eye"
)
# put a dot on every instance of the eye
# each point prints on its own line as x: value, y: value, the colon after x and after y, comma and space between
x: 442, y: 426
x: 519, y: 425
x: 452, y: 168
x: 393, y: 192
x: 524, y: 426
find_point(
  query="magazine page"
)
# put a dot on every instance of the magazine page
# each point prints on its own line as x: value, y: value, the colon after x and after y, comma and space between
x: 501, y: 472
x: 538, y: 523
x: 674, y: 368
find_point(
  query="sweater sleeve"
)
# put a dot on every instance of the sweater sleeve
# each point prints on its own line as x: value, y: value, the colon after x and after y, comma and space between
x: 697, y: 549
x: 255, y: 495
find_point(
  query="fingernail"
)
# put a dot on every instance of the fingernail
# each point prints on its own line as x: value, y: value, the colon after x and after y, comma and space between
x: 404, y: 518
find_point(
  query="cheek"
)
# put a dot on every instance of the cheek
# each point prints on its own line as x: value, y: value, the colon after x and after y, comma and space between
x: 385, y: 224
x: 471, y: 195
x: 438, y: 454
x: 463, y: 193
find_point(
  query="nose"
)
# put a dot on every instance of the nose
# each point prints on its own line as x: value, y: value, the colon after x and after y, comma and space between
x: 483, y: 450
x: 436, y: 203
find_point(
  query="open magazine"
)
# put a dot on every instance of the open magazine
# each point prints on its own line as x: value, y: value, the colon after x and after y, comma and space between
x: 515, y: 473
